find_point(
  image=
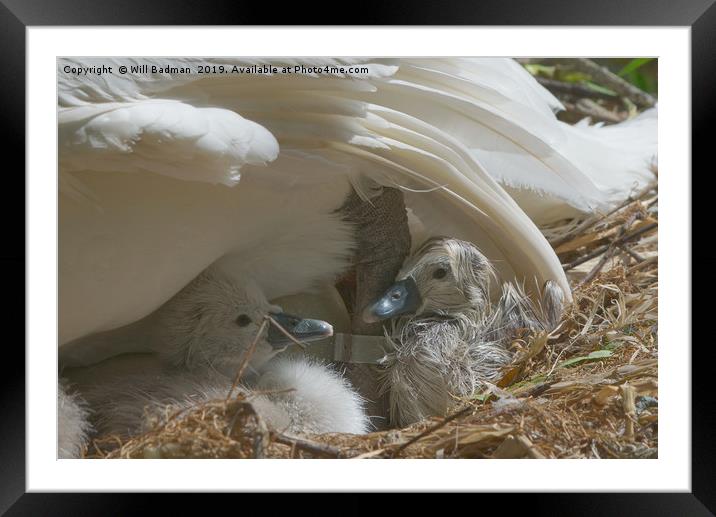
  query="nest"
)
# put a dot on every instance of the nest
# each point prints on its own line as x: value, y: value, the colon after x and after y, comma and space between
x: 589, y: 389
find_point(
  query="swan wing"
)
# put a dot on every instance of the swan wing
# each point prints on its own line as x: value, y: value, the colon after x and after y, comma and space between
x: 165, y: 173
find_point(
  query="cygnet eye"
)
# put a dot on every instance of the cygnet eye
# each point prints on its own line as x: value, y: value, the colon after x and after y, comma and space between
x: 439, y: 273
x: 243, y: 320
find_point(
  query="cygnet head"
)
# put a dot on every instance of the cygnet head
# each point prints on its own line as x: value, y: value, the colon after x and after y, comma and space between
x: 214, y: 320
x: 444, y: 276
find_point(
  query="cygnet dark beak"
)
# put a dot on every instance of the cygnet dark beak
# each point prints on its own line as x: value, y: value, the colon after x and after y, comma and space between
x: 301, y: 329
x: 402, y: 297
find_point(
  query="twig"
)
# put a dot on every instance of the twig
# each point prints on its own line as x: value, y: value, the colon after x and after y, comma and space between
x: 432, y: 429
x: 604, y: 248
x: 368, y: 454
x: 628, y: 395
x: 244, y: 406
x: 556, y: 361
x: 589, y: 108
x: 308, y: 446
x: 605, y: 77
x: 633, y: 254
x: 252, y: 348
x: 611, y: 250
x: 575, y: 89
x: 255, y: 393
x: 588, y: 223
x: 262, y: 440
x: 247, y: 355
x: 598, y: 267
x: 286, y: 332
x: 642, y: 265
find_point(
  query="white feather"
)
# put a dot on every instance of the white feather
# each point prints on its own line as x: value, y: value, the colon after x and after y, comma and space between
x: 166, y: 137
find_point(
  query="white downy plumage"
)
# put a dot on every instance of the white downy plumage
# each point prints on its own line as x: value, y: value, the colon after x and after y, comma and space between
x: 74, y: 428
x: 201, y: 338
x: 446, y: 339
x: 129, y: 394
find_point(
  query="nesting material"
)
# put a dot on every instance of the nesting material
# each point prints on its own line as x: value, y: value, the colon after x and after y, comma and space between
x: 587, y: 390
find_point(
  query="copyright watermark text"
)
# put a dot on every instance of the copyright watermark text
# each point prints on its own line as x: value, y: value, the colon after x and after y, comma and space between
x: 214, y: 69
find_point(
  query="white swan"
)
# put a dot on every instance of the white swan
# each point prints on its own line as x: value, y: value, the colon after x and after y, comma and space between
x: 200, y: 338
x: 447, y: 338
x: 291, y: 145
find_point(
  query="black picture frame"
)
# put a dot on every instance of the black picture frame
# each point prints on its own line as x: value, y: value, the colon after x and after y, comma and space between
x: 17, y: 15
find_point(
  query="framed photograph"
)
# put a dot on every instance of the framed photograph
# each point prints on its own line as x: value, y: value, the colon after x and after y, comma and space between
x: 415, y: 251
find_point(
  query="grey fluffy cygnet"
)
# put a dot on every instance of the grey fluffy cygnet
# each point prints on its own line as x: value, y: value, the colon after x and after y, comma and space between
x: 447, y: 338
x: 199, y: 339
